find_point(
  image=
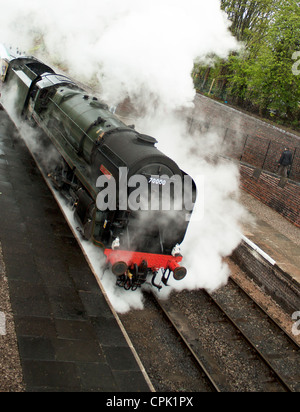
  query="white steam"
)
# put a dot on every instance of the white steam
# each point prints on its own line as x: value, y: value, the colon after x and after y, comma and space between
x: 145, y: 50
x: 139, y: 48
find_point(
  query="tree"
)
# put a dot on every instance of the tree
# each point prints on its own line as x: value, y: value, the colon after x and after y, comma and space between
x: 249, y: 17
x: 272, y: 83
x: 263, y: 74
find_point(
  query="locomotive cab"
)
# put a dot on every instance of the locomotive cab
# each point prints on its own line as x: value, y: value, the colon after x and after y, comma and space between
x: 45, y: 89
x: 92, y: 143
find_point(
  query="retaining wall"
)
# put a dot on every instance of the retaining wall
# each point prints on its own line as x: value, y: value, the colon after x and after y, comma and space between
x: 278, y: 193
x: 275, y: 282
x: 246, y: 138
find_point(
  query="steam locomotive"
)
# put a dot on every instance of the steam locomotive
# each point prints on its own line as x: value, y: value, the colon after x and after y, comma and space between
x: 93, y: 142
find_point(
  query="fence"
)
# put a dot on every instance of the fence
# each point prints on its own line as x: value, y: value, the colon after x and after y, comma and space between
x: 257, y: 151
x: 265, y: 154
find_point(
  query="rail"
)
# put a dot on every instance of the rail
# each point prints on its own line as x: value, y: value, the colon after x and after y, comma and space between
x: 272, y: 345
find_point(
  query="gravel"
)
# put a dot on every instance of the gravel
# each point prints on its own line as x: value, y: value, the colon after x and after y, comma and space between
x: 166, y: 360
x: 11, y: 379
x: 243, y: 370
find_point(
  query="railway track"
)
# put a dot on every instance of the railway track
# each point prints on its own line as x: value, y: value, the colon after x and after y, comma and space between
x: 267, y: 342
x: 188, y: 336
x: 243, y: 323
x: 274, y: 345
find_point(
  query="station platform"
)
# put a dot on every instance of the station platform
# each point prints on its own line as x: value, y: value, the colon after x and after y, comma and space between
x: 68, y: 337
x: 275, y: 235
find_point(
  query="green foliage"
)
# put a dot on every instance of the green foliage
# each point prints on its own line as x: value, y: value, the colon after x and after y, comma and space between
x: 272, y: 83
x: 249, y: 17
x: 262, y: 74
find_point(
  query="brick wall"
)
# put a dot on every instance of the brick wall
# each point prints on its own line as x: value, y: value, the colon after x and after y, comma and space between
x: 279, y: 194
x: 257, y: 144
x: 246, y: 138
x: 278, y: 284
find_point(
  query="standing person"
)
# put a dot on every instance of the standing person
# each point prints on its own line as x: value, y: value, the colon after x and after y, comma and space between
x: 285, y: 162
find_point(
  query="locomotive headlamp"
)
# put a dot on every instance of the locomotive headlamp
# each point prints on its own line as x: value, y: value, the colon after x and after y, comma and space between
x: 119, y: 268
x: 117, y: 158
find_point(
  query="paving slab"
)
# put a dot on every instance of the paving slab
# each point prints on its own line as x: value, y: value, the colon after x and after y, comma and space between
x: 275, y: 235
x: 68, y: 337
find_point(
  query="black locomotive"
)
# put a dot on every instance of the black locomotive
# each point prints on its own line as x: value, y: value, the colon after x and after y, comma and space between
x: 93, y: 142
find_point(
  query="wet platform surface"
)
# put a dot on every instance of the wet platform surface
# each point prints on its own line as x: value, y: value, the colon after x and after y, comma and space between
x: 275, y: 235
x: 68, y: 337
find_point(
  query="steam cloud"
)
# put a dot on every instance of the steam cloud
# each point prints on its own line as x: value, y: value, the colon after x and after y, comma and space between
x: 145, y: 50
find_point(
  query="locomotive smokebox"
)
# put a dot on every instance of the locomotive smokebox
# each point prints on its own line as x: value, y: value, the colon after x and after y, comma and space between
x: 150, y: 198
